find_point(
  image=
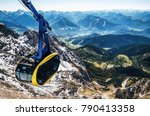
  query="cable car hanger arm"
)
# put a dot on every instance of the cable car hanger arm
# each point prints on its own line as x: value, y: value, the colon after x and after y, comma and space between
x: 43, y: 31
x: 29, y: 5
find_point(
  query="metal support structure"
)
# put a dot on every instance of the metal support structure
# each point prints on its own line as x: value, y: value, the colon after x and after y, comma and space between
x: 43, y: 31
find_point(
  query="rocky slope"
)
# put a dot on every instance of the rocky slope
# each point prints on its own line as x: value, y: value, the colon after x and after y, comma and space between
x: 71, y: 80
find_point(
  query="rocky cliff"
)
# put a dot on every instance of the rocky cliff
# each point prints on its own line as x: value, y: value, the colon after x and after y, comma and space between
x: 71, y: 80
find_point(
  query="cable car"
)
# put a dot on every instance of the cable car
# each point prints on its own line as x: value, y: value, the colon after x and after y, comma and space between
x: 40, y: 67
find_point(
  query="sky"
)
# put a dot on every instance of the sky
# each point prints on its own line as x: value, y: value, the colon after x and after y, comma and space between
x: 78, y: 5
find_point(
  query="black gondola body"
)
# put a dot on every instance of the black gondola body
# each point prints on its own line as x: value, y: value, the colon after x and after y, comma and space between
x: 36, y: 73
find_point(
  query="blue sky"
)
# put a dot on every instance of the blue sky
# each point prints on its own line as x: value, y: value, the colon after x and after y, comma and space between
x: 77, y: 5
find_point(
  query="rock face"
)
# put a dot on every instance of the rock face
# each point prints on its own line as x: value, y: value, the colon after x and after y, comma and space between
x: 139, y: 89
x: 7, y: 31
x: 71, y: 80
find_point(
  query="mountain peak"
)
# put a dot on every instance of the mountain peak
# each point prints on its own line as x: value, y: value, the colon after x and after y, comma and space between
x: 20, y: 12
x: 93, y: 17
x: 64, y: 22
x: 96, y: 22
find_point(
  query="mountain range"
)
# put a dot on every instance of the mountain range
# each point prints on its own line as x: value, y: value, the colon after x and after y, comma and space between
x: 102, y: 22
x: 110, y: 41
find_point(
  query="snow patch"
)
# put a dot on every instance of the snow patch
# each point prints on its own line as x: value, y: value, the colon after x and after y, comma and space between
x: 62, y: 48
x: 2, y: 24
x: 124, y: 83
x: 104, y: 24
x: 135, y: 29
x: 65, y: 66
